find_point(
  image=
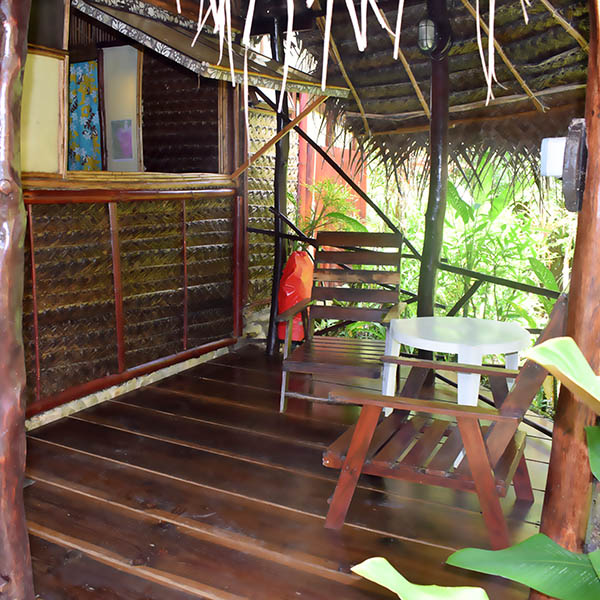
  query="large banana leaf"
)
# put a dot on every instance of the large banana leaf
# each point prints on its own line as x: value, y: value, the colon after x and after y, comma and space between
x: 539, y: 563
x: 563, y: 358
x: 380, y: 571
x: 593, y: 442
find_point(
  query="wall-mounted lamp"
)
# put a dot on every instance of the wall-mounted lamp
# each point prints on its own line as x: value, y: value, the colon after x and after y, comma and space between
x: 435, y: 38
x: 427, y: 40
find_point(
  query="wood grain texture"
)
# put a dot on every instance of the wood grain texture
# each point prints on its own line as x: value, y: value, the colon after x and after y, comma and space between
x: 567, y: 500
x: 15, y: 563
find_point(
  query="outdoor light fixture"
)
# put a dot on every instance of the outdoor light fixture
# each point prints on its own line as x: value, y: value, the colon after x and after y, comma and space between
x: 428, y: 39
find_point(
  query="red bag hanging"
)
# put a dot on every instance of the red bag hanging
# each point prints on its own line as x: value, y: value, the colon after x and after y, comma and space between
x: 295, y: 286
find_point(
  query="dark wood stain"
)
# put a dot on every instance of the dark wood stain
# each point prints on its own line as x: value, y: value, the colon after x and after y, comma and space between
x: 213, y: 493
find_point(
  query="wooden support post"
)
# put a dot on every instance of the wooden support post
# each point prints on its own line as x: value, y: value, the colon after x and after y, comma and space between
x: 568, y: 490
x: 438, y: 150
x: 16, y: 581
x: 282, y: 151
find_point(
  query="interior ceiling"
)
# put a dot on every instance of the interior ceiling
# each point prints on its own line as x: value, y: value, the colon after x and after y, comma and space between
x: 548, y: 58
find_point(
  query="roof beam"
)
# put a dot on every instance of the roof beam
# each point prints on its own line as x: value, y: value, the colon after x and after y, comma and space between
x: 414, y: 114
x: 316, y: 102
x: 468, y: 121
x: 566, y: 25
x: 538, y: 105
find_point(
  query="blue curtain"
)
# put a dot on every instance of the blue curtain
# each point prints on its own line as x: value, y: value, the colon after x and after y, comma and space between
x: 85, y: 152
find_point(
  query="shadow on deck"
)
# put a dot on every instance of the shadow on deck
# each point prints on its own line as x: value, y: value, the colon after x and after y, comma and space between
x: 198, y: 488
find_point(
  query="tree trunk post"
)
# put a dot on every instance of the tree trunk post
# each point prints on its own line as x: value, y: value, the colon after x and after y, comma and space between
x: 438, y: 184
x: 15, y: 562
x: 568, y: 491
x: 282, y: 151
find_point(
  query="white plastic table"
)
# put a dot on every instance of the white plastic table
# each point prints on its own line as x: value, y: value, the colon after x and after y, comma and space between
x: 471, y: 339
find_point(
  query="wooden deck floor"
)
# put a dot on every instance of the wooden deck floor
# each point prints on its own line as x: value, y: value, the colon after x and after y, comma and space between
x: 198, y: 488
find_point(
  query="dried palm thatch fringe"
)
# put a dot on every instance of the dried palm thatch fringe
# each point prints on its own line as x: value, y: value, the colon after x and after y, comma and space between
x: 220, y: 10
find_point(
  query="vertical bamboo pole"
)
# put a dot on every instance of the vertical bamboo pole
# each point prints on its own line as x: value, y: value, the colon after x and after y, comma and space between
x: 568, y: 491
x: 282, y: 151
x: 15, y: 562
x: 438, y: 149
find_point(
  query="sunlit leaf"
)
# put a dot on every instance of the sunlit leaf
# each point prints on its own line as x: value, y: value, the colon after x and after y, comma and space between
x: 380, y: 571
x: 350, y: 223
x: 595, y: 560
x: 563, y: 358
x: 539, y: 563
x: 593, y: 441
x: 544, y: 274
x: 463, y: 210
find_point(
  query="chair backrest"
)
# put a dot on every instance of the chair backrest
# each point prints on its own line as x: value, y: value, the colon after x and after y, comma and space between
x: 359, y: 270
x: 528, y: 382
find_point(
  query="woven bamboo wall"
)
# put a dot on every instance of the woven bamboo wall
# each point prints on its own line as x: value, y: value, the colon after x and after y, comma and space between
x: 180, y: 118
x: 75, y: 287
x: 263, y: 127
x: 75, y: 299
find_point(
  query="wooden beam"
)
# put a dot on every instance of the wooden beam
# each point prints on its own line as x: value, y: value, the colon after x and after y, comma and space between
x: 16, y: 581
x: 567, y: 26
x: 314, y: 104
x: 539, y: 106
x: 469, y: 121
x: 568, y: 491
x: 438, y: 178
x: 414, y: 114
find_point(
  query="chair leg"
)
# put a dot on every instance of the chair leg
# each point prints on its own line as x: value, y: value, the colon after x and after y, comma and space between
x: 352, y: 467
x: 484, y: 482
x: 282, y: 398
x: 522, y: 482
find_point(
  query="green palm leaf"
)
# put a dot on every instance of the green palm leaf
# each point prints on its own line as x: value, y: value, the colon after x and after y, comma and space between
x: 539, y: 563
x: 380, y: 571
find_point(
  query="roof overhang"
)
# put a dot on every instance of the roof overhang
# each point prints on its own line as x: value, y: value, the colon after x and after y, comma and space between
x: 175, y: 43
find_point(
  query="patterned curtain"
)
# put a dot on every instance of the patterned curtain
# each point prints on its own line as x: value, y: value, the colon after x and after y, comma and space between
x: 85, y: 152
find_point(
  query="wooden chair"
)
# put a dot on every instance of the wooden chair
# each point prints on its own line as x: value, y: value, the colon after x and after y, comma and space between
x: 356, y: 278
x: 476, y: 449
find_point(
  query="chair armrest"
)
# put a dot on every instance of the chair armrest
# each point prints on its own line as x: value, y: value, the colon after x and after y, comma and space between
x: 451, y: 366
x: 436, y: 407
x: 290, y: 313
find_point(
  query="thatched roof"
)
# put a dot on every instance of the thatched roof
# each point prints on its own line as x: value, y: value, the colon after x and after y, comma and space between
x: 546, y: 54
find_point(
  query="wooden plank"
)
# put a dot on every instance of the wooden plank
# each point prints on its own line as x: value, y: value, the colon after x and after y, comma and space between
x: 344, y: 313
x: 159, y: 551
x: 275, y: 486
x: 426, y: 444
x: 60, y: 573
x: 354, y: 294
x: 358, y: 257
x: 293, y: 427
x: 447, y: 454
x: 252, y: 446
x: 356, y: 276
x: 350, y: 239
x: 291, y: 537
x: 400, y: 441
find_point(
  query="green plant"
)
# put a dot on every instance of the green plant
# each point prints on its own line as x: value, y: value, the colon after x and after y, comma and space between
x: 381, y: 572
x: 332, y: 208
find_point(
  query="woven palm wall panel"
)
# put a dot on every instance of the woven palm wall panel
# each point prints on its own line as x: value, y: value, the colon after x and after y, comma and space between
x: 173, y: 262
x: 263, y: 126
x: 180, y: 118
x: 74, y: 297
